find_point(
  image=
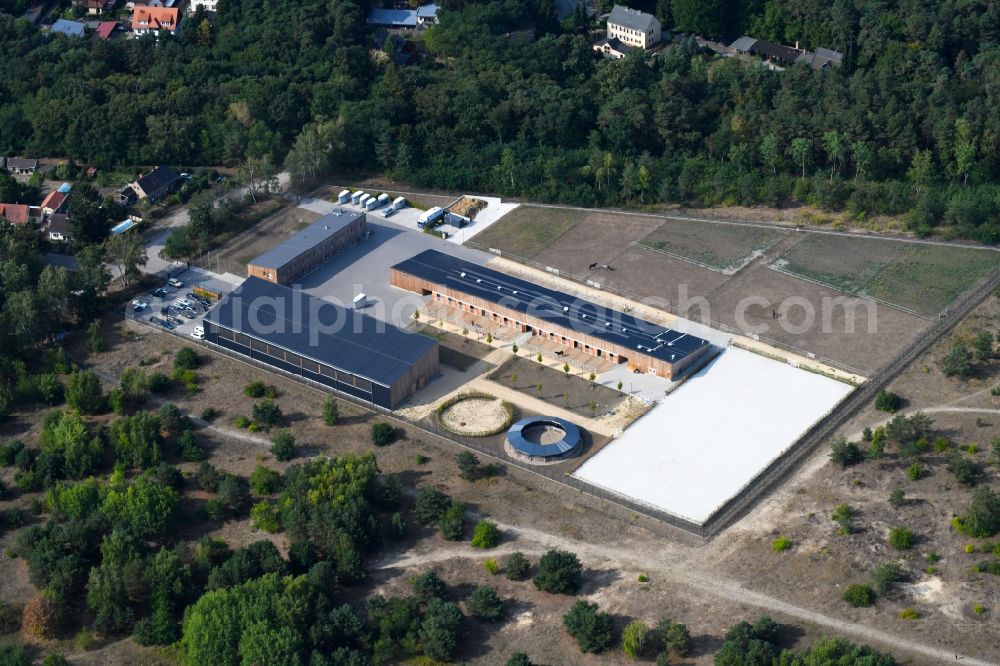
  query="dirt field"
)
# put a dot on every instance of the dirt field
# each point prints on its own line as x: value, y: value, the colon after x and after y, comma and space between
x: 725, y: 248
x: 239, y: 251
x: 923, y: 278
x: 557, y: 388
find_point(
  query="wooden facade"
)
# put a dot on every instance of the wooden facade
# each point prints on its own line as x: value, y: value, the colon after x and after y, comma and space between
x: 525, y: 323
x: 310, y: 259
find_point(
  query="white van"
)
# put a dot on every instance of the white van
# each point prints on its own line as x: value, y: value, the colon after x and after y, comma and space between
x: 198, y: 333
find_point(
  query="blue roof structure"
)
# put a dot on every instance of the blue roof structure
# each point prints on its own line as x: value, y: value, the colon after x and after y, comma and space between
x: 570, y: 440
x: 321, y: 331
x: 70, y: 28
x: 122, y: 227
x: 427, y: 11
x: 65, y: 188
x: 553, y: 307
x: 393, y: 18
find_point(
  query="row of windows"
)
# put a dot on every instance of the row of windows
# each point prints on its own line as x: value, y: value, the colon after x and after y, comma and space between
x: 309, y: 365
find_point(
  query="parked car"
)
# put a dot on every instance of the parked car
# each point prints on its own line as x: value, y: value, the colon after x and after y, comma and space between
x: 182, y: 303
x: 167, y: 325
x: 155, y: 320
x: 175, y: 283
x: 139, y: 306
x: 205, y: 303
x: 190, y: 314
x: 176, y: 321
x: 160, y: 292
x: 388, y: 212
x: 198, y: 333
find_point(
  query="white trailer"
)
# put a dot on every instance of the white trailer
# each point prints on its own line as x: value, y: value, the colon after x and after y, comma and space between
x: 399, y: 203
x: 344, y: 196
x: 360, y: 301
x: 357, y: 196
x: 383, y: 199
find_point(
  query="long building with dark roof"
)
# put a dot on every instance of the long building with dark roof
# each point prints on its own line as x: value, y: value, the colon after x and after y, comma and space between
x: 309, y: 248
x: 324, y: 342
x: 560, y: 317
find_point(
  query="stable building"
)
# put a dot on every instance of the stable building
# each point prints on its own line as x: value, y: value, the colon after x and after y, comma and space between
x: 313, y: 246
x: 530, y: 308
x: 328, y: 344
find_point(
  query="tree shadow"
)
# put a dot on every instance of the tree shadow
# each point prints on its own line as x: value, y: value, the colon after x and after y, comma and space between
x: 595, y: 579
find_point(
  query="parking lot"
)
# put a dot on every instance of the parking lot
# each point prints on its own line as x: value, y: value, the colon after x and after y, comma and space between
x: 175, y: 306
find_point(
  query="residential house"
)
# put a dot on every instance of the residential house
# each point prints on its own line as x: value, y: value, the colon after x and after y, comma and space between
x: 54, y: 202
x: 106, y: 29
x: 22, y: 166
x: 59, y: 228
x: 152, y: 185
x: 633, y: 28
x: 427, y: 14
x: 207, y: 5
x: 147, y: 19
x: 778, y: 55
x: 612, y: 47
x: 97, y: 7
x: 68, y: 28
x: 132, y: 4
x: 393, y: 18
x: 20, y: 213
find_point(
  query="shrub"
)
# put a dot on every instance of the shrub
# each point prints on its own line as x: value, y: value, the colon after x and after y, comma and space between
x: 186, y: 359
x: 843, y: 515
x: 484, y: 603
x: 908, y: 614
x: 845, y: 453
x: 159, y: 383
x: 884, y: 576
x: 914, y: 471
x: 859, y: 596
x: 964, y: 470
x: 429, y: 585
x: 84, y: 392
x: 957, y: 362
x: 901, y: 538
x: 40, y: 618
x: 516, y: 566
x: 559, y: 572
x: 452, y: 522
x: 267, y: 414
x: 486, y: 535
x: 255, y: 389
x: 331, y: 412
x: 283, y: 446
x: 191, y: 450
x: 592, y: 630
x: 264, y: 481
x: 209, y: 413
x: 233, y: 493
x: 982, y: 519
x: 468, y: 465
x: 781, y: 544
x: 430, y: 505
x: 979, y: 609
x: 519, y: 659
x: 675, y: 637
x: 886, y: 401
x: 491, y: 566
x: 265, y: 517
x: 241, y: 422
x: 897, y: 497
x: 382, y: 433
x: 421, y: 459
x: 635, y: 637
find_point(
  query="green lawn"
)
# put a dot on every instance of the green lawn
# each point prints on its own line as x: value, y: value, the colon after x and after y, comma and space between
x: 845, y: 263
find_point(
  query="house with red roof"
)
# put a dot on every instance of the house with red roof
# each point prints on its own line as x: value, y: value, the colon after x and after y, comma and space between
x: 105, y: 29
x: 54, y: 202
x: 19, y: 213
x: 154, y: 19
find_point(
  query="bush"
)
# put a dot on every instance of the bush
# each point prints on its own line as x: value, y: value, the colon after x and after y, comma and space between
x: 331, y: 412
x: 429, y: 585
x: 964, y: 470
x: 468, y: 465
x: 884, y: 576
x: 397, y: 527
x: 430, y: 505
x: 233, y: 494
x: 283, y: 446
x: 559, y: 572
x: 908, y: 614
x: 519, y: 659
x: 859, y: 596
x: 914, y: 471
x: 264, y: 481
x: 886, y: 401
x: 40, y: 618
x: 516, y: 566
x: 209, y: 413
x: 159, y: 383
x: 383, y: 433
x: 186, y: 359
x: 957, y: 362
x: 491, y: 566
x: 845, y: 453
x: 486, y: 535
x: 982, y: 519
x: 191, y: 450
x: 592, y: 630
x: 675, y: 637
x: 635, y: 638
x: 241, y: 422
x: 897, y: 497
x: 84, y: 392
x: 484, y: 603
x: 207, y: 477
x: 265, y: 517
x: 255, y: 389
x: 452, y: 522
x: 267, y: 414
x: 781, y: 544
x: 901, y: 538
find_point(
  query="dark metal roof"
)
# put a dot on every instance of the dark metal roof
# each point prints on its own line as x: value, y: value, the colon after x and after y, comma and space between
x: 321, y: 331
x: 631, y: 18
x: 158, y: 181
x: 570, y: 440
x: 554, y: 307
x: 21, y: 163
x: 308, y: 238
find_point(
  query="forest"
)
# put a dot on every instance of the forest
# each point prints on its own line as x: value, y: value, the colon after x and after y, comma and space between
x: 510, y: 100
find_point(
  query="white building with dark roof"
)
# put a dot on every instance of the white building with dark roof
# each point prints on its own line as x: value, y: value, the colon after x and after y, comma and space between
x: 633, y: 28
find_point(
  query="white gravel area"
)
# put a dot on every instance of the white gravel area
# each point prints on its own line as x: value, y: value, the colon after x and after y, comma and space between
x: 475, y: 415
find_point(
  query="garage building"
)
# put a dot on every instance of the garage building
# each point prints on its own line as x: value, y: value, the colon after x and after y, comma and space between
x: 308, y: 249
x: 324, y: 342
x: 560, y: 317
